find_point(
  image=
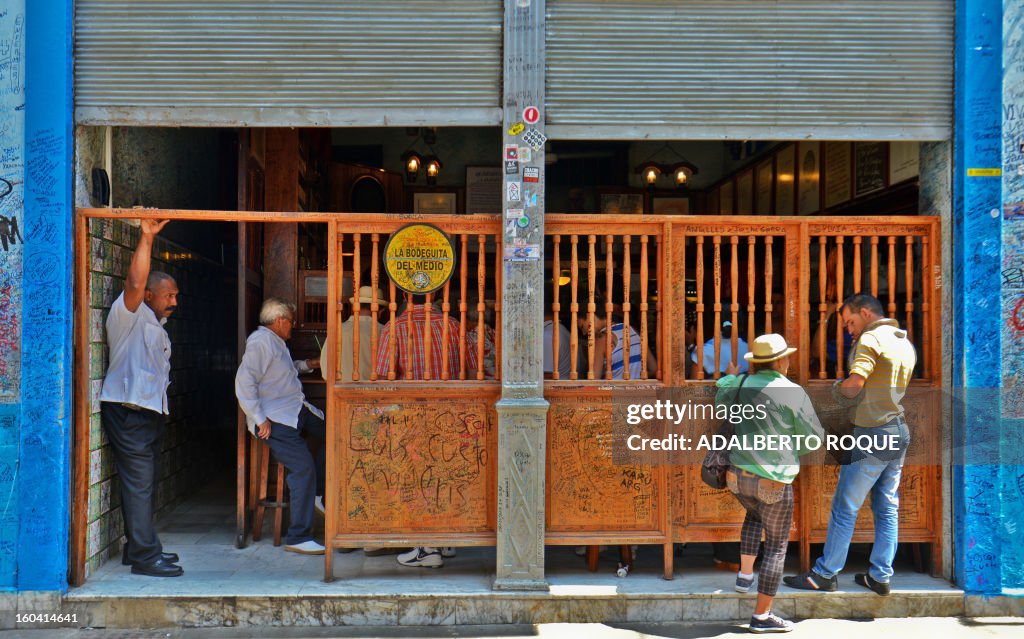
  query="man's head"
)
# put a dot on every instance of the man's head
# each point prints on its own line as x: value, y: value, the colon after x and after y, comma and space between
x: 858, y: 312
x: 161, y: 294
x: 279, y: 316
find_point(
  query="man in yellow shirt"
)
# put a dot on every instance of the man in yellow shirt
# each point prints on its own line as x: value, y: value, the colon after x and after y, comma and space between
x: 882, y: 365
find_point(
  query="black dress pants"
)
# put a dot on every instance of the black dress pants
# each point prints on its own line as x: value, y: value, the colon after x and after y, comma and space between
x: 134, y: 437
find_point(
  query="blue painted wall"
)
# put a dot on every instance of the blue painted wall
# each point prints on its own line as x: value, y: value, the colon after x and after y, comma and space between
x: 988, y: 480
x: 35, y: 428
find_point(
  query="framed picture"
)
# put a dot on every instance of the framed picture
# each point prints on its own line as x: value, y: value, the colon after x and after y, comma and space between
x: 870, y: 168
x: 629, y: 203
x: 670, y: 205
x: 745, y: 193
x: 785, y: 181
x: 763, y: 178
x: 484, y: 186
x: 838, y: 173
x: 435, y: 202
x: 809, y: 185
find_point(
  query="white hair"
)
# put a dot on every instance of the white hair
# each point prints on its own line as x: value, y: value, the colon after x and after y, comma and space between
x: 274, y: 308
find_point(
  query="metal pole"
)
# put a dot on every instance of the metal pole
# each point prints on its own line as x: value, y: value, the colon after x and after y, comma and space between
x: 522, y: 410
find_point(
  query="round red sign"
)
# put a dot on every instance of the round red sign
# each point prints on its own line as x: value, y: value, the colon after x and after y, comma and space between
x: 531, y: 114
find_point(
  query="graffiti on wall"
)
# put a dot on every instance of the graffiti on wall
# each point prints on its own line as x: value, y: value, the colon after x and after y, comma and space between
x: 12, y: 134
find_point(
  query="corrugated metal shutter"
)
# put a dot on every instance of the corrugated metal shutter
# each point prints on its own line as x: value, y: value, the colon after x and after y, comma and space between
x: 750, y: 69
x: 288, y: 62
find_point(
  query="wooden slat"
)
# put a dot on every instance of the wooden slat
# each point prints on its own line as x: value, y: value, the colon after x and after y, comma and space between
x: 428, y: 330
x: 556, y: 275
x: 609, y: 276
x: 356, y: 284
x: 393, y: 326
x: 643, y: 301
x: 908, y: 307
x: 769, y: 284
x: 700, y: 306
x: 858, y: 278
x: 840, y: 295
x: 463, y: 306
x: 892, y: 276
x: 751, y: 288
x: 591, y: 306
x: 497, y: 305
x: 374, y: 305
x: 574, y: 308
x: 874, y: 266
x: 716, y: 278
x: 734, y: 306
x: 445, y: 309
x: 822, y: 304
x: 626, y: 257
x: 481, y: 303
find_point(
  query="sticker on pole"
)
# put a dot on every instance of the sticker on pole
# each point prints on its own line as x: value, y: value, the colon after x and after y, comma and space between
x: 534, y: 138
x: 531, y: 115
x: 419, y: 258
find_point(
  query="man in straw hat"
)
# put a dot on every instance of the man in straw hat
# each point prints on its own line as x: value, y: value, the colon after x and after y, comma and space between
x: 366, y: 298
x: 882, y: 364
x: 761, y: 478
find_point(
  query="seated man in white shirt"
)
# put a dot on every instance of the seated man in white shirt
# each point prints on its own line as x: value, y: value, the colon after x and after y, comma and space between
x: 269, y: 391
x: 725, y: 355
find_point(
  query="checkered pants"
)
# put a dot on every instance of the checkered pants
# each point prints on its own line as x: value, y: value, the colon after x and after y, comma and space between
x: 775, y: 519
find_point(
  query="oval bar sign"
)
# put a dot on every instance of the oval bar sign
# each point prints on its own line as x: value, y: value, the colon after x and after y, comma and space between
x: 419, y: 258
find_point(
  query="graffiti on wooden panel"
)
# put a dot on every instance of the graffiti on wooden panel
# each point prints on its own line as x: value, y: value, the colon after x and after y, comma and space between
x: 416, y: 466
x: 587, y: 490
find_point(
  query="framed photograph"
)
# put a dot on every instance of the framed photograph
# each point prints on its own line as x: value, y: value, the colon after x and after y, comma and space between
x: 785, y: 181
x: 435, y: 203
x: 763, y: 178
x: 484, y: 186
x: 745, y: 193
x: 838, y: 173
x: 809, y: 185
x: 630, y: 203
x: 670, y: 205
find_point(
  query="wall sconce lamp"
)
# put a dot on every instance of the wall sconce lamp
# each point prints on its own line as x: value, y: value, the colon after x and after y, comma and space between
x: 413, y: 161
x: 680, y: 172
x: 433, y: 169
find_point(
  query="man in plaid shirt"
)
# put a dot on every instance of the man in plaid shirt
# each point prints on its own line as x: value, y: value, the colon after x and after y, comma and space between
x: 411, y: 354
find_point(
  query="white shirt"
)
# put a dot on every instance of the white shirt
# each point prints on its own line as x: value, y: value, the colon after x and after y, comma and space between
x: 564, y: 349
x: 267, y: 382
x: 140, y: 358
x: 724, y: 355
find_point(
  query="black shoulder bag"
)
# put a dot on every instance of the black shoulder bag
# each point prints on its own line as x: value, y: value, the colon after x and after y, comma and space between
x: 716, y: 462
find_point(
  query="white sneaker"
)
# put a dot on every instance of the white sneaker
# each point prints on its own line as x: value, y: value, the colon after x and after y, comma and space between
x: 306, y: 548
x: 425, y: 557
x: 318, y: 504
x: 447, y: 552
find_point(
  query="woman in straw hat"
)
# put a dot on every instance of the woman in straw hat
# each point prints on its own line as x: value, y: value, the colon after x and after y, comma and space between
x: 775, y: 424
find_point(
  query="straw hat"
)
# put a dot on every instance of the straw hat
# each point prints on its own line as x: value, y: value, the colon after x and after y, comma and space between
x: 366, y: 296
x: 768, y: 348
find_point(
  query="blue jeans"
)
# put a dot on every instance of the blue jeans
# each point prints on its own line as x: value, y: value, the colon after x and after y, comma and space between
x: 305, y: 475
x: 877, y: 473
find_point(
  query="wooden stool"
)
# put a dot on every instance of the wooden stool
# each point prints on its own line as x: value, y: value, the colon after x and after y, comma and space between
x: 262, y: 460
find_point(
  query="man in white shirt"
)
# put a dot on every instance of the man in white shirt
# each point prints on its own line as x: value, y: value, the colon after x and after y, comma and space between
x: 725, y: 356
x: 133, y: 401
x: 269, y: 391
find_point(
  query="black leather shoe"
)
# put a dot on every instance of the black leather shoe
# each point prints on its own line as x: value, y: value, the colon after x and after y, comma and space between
x: 158, y: 568
x: 169, y: 557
